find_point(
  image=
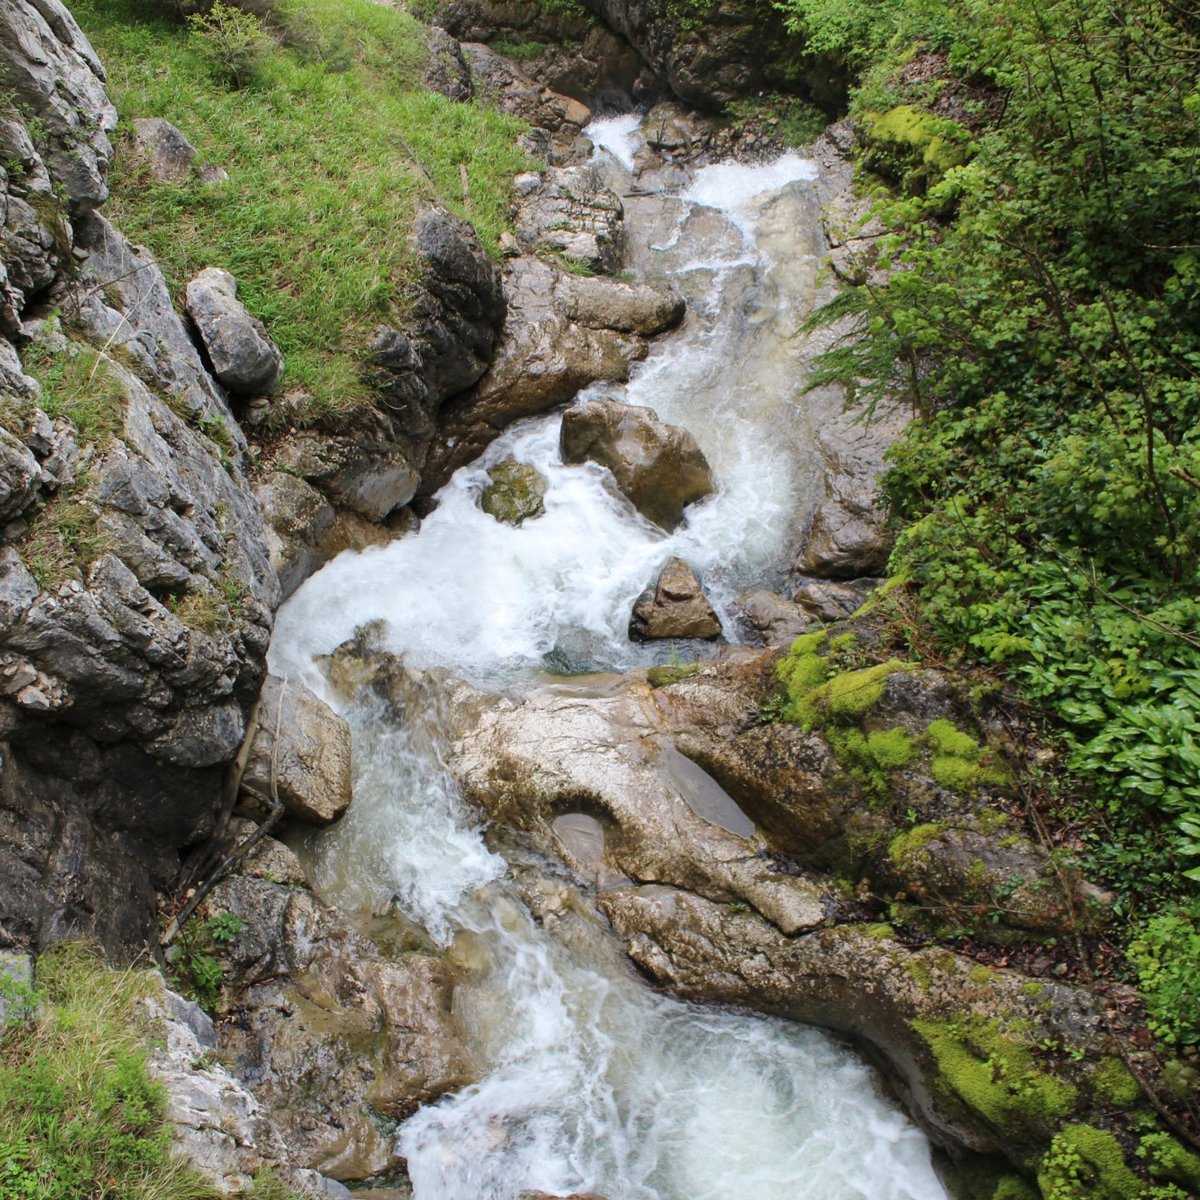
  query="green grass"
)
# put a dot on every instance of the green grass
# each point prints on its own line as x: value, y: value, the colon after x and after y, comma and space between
x: 77, y: 384
x: 331, y: 148
x: 83, y: 1120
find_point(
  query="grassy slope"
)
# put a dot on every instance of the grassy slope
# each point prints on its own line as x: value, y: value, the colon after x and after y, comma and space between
x: 331, y: 150
x: 82, y: 1118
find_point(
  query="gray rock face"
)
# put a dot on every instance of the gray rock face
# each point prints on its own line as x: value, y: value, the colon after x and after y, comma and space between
x: 571, y: 211
x: 448, y: 72
x: 304, y: 746
x: 562, y: 333
x: 243, y: 357
x: 659, y: 467
x: 847, y: 537
x: 775, y: 620
x: 734, y: 50
x: 675, y: 607
x: 364, y: 469
x: 52, y: 70
x: 125, y: 304
x: 557, y: 119
x: 219, y: 1126
x: 298, y: 520
x: 332, y: 1035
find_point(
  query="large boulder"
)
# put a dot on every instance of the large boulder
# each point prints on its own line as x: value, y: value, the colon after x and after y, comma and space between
x: 301, y: 751
x: 675, y: 607
x: 167, y: 155
x: 242, y: 355
x: 658, y: 467
x: 772, y: 619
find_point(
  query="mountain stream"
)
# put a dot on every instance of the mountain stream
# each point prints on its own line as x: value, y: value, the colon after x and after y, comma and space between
x: 589, y: 1080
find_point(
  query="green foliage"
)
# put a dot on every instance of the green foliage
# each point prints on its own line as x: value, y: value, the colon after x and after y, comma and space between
x: 1166, y: 1159
x: 1113, y: 1084
x: 331, y: 149
x: 77, y: 383
x: 224, y: 927
x: 1166, y: 956
x: 234, y: 41
x: 1048, y: 341
x: 82, y: 1118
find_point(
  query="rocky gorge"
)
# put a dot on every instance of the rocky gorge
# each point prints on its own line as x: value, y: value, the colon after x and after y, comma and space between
x: 797, y: 819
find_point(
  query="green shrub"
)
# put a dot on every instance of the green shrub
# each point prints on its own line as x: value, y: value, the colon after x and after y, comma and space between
x: 233, y: 40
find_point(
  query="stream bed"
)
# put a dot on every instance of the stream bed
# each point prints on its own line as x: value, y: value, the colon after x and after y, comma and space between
x: 589, y: 1080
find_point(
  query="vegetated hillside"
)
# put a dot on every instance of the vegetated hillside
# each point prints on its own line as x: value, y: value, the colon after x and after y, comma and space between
x: 1037, y: 169
x: 318, y: 113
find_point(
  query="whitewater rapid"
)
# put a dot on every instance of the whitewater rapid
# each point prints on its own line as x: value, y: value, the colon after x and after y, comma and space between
x: 589, y: 1080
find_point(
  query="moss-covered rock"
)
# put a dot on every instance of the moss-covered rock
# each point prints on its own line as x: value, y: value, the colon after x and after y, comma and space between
x: 515, y: 493
x: 913, y: 147
x: 1086, y: 1161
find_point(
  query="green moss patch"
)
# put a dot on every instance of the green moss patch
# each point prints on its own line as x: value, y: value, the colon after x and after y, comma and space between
x: 1113, y: 1084
x: 990, y: 1068
x: 959, y: 763
x: 912, y: 147
x: 1085, y: 1161
x: 671, y: 673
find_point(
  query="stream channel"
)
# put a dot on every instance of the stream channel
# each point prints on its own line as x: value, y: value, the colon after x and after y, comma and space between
x: 589, y: 1080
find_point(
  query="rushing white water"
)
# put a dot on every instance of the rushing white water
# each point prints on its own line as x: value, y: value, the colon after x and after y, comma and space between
x: 590, y: 1081
x: 558, y: 590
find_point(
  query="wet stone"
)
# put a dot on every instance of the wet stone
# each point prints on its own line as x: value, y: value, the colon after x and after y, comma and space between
x: 515, y: 493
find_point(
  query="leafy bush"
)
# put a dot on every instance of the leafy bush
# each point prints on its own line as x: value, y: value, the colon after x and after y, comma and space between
x: 1048, y: 341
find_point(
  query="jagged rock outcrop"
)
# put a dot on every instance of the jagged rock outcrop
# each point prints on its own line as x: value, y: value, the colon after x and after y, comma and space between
x: 727, y: 51
x: 331, y: 1034
x: 218, y: 1124
x: 562, y: 332
x: 570, y: 211
x: 675, y: 606
x: 556, y: 120
x: 137, y: 591
x: 660, y: 468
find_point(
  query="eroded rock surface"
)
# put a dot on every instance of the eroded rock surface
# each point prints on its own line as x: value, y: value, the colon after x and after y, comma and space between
x: 515, y: 492
x: 562, y: 332
x: 331, y: 1034
x: 300, y: 752
x: 572, y: 212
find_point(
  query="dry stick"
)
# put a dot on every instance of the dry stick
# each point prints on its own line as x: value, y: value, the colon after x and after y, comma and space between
x: 466, y: 184
x: 240, y: 852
